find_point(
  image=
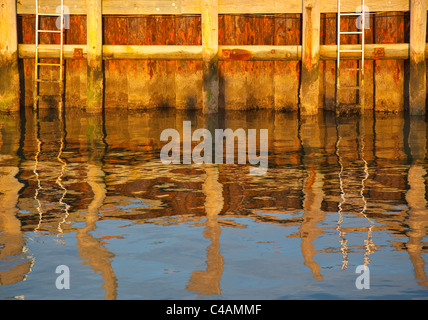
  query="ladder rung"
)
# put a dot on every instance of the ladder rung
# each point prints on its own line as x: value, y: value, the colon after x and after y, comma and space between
x: 49, y: 64
x: 50, y: 31
x: 349, y: 87
x: 350, y: 32
x: 352, y: 14
x: 349, y: 69
x: 46, y: 80
x: 49, y: 46
x: 49, y: 14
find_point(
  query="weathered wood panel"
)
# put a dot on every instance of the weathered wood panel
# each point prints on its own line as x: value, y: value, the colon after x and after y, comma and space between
x: 369, y: 67
x: 286, y: 77
x: 155, y: 82
x: 389, y: 74
x: 76, y: 68
x: 188, y: 74
x: 233, y: 82
x: 259, y: 30
x: 243, y: 84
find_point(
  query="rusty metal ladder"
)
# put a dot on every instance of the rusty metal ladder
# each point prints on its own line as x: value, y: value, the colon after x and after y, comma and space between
x: 360, y: 69
x: 54, y: 47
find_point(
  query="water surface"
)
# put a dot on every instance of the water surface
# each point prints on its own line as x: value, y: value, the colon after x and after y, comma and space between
x: 90, y: 193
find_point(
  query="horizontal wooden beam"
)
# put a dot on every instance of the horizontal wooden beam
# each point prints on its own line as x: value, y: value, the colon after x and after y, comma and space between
x: 398, y: 51
x: 71, y: 51
x: 139, y: 7
x: 371, y: 51
x: 156, y: 52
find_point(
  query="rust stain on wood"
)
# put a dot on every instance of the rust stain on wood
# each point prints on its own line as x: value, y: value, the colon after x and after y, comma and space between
x: 78, y: 53
x: 236, y: 54
x: 379, y: 53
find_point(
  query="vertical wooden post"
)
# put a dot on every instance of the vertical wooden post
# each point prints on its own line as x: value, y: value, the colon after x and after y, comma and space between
x: 417, y: 81
x: 309, y: 88
x: 9, y: 73
x: 95, y: 56
x: 210, y: 86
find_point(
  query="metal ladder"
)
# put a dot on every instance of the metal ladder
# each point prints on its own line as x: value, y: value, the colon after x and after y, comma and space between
x: 360, y: 69
x: 55, y: 47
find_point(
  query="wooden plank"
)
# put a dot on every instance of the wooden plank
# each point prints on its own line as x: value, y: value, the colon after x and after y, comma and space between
x: 9, y: 73
x: 136, y: 77
x: 257, y: 31
x: 210, y: 83
x: 76, y: 68
x: 118, y: 7
x: 286, y: 77
x: 369, y: 67
x: 263, y: 86
x: 158, y: 84
x: 116, y: 32
x: 417, y: 81
x: 389, y: 74
x: 234, y: 77
x: 168, y: 29
x: 95, y: 76
x: 188, y: 74
x: 309, y: 81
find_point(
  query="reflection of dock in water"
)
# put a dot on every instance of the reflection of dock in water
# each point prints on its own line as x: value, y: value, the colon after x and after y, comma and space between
x: 46, y: 170
x: 351, y: 191
x: 15, y: 260
x: 316, y: 171
x: 91, y: 250
x: 207, y: 282
x: 417, y: 218
x: 311, y: 135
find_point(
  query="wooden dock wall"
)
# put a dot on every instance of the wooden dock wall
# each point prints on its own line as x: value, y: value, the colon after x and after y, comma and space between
x: 259, y: 55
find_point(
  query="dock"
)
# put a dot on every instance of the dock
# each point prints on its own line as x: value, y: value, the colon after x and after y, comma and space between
x: 217, y: 54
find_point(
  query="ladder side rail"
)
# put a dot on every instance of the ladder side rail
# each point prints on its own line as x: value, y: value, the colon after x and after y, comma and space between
x: 363, y: 21
x: 36, y: 60
x: 338, y: 56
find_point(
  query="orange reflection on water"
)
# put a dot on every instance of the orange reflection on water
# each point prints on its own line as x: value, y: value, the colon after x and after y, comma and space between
x: 342, y: 187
